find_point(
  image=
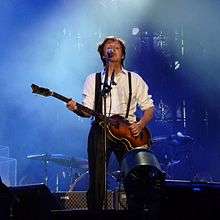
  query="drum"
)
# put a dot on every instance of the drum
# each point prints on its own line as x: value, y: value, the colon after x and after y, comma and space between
x: 82, y: 183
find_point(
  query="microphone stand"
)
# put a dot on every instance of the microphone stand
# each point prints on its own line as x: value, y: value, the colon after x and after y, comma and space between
x: 105, y: 91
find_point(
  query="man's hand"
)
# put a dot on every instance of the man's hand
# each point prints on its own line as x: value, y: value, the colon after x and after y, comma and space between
x: 71, y: 105
x: 136, y: 128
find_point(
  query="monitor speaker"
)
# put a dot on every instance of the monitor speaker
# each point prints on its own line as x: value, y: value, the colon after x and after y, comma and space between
x: 31, y: 202
x: 191, y: 200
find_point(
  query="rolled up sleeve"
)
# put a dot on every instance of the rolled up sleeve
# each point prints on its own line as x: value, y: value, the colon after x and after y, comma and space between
x: 144, y: 100
x: 89, y: 91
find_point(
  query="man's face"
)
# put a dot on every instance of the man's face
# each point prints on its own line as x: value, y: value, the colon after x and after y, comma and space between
x: 117, y: 54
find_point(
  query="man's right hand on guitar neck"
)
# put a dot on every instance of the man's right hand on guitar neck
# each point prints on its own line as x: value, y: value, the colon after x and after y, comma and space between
x: 71, y: 105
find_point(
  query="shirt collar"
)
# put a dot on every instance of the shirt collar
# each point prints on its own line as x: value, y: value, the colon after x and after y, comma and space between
x: 117, y: 77
x: 124, y: 71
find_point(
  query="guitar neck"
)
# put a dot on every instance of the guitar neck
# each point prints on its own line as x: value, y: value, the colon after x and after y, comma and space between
x: 60, y: 97
x: 80, y: 107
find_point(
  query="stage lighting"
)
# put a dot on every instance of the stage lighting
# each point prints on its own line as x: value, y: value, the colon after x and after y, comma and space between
x: 143, y: 179
x: 177, y: 65
x: 135, y: 30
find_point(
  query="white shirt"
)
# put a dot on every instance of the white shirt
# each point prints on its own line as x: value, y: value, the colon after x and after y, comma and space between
x: 117, y: 100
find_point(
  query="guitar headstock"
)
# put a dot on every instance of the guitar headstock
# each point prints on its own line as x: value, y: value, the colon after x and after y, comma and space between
x: 40, y: 90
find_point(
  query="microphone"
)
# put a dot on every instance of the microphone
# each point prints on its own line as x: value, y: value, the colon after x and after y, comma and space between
x: 109, y: 53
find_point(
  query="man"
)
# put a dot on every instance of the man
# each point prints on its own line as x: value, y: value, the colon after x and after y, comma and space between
x: 122, y: 97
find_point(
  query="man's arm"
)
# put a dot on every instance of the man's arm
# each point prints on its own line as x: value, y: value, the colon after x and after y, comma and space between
x: 137, y: 127
x: 147, y: 117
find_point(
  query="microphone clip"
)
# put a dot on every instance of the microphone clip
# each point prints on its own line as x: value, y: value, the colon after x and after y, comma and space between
x: 108, y: 86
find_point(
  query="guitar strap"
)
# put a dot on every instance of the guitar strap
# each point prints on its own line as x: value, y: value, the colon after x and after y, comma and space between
x: 98, y: 98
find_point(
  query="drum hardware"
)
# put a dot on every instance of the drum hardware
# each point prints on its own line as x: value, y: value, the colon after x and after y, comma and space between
x: 82, y: 182
x: 172, y: 150
x: 117, y: 174
x: 60, y: 177
x: 61, y: 159
x: 171, y: 145
x: 70, y: 162
x: 45, y: 159
x: 174, y: 139
x: 163, y: 112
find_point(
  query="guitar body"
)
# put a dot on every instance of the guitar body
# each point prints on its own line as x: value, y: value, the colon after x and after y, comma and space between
x: 119, y: 131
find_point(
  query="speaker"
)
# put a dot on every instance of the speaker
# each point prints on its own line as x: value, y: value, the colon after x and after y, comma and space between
x: 190, y: 200
x: 6, y: 199
x: 77, y: 200
x: 32, y: 202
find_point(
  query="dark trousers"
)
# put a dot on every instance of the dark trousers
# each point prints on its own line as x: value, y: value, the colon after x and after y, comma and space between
x: 96, y: 159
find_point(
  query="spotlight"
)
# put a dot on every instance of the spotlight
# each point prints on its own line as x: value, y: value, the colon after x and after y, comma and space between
x: 135, y: 30
x: 177, y: 65
x: 142, y: 179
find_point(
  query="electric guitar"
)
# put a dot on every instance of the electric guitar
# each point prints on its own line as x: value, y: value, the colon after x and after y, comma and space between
x: 117, y: 126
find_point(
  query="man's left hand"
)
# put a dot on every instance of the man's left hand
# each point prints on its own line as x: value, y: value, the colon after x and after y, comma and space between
x: 135, y: 128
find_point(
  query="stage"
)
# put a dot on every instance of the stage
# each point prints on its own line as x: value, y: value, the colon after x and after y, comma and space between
x: 181, y: 200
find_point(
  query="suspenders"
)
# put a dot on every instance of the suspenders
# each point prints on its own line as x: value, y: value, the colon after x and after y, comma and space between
x: 130, y: 93
x: 98, y: 98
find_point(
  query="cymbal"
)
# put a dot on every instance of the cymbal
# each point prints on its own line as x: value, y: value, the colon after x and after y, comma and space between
x: 159, y: 139
x: 177, y: 139
x: 61, y: 159
x: 69, y: 161
x: 117, y: 174
x: 43, y: 157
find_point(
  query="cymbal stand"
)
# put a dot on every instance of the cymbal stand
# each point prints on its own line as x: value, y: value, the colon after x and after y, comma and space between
x: 57, y: 182
x: 73, y: 174
x: 46, y: 171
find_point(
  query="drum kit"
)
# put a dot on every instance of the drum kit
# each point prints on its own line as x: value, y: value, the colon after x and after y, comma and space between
x: 75, y: 165
x: 167, y: 157
x: 172, y: 151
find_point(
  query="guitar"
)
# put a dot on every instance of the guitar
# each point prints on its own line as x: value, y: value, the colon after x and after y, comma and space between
x: 117, y: 126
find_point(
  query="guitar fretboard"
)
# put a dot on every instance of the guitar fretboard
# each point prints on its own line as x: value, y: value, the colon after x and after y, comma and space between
x: 62, y: 98
x: 79, y: 106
